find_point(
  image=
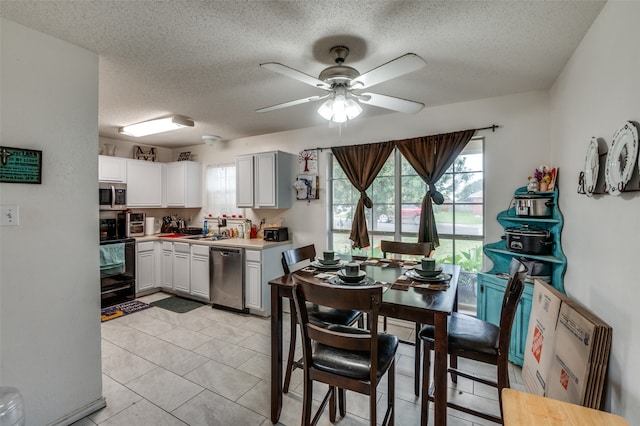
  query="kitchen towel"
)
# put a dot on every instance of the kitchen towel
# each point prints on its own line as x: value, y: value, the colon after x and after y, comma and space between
x: 111, y: 256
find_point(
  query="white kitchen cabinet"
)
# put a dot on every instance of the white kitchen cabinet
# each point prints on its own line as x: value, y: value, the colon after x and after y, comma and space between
x: 144, y: 183
x: 253, y: 280
x: 112, y: 169
x: 184, y: 184
x: 166, y: 279
x: 244, y: 181
x: 260, y: 267
x: 181, y: 267
x: 145, y: 267
x: 264, y: 180
x: 200, y: 272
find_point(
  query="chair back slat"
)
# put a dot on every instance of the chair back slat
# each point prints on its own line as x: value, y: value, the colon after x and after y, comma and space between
x: 349, y: 341
x: 397, y: 247
x: 297, y: 255
x: 510, y: 300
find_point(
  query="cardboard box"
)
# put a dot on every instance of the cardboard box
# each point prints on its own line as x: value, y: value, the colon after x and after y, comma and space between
x: 567, y: 349
x: 540, y: 344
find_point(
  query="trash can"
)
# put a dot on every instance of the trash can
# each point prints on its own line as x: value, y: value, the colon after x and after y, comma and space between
x: 11, y: 407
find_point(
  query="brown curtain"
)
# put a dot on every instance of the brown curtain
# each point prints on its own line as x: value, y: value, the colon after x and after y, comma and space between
x: 361, y: 164
x: 431, y: 156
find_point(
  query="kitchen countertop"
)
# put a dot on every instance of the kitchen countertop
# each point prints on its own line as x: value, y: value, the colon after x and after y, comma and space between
x: 254, y: 243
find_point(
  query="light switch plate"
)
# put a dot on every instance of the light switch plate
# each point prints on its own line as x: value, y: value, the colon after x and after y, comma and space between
x: 9, y: 215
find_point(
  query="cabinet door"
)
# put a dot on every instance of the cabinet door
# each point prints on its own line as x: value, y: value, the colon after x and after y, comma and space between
x: 244, y: 181
x: 144, y: 184
x: 167, y: 269
x: 112, y: 169
x: 200, y: 277
x: 175, y: 185
x: 145, y: 267
x: 265, y: 180
x: 253, y: 282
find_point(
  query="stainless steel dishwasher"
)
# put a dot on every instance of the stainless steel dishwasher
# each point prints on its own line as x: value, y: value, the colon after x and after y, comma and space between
x: 227, y: 278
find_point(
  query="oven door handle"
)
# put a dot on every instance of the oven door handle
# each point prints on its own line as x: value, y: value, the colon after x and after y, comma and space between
x: 113, y: 197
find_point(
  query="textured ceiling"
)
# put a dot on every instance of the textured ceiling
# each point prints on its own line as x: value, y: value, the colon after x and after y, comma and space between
x: 200, y: 59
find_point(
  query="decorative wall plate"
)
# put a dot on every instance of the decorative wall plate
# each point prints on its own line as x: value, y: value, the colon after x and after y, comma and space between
x: 591, y: 167
x: 621, y: 159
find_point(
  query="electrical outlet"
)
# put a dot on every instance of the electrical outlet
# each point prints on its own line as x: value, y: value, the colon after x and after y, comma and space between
x: 9, y: 215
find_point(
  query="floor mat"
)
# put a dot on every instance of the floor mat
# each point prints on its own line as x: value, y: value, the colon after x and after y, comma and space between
x: 122, y: 309
x: 177, y: 304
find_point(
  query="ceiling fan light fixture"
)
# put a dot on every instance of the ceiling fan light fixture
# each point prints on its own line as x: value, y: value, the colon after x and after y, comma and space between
x: 159, y: 125
x: 340, y: 109
x: 326, y: 109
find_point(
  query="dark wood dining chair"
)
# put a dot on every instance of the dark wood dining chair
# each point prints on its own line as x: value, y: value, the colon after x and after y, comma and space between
x: 414, y: 249
x: 472, y: 338
x: 345, y: 358
x: 320, y: 315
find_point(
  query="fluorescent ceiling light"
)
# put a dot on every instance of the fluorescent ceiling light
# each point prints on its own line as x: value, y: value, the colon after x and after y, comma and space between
x: 156, y: 126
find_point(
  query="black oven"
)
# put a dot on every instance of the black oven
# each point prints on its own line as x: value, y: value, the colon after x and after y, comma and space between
x: 117, y: 270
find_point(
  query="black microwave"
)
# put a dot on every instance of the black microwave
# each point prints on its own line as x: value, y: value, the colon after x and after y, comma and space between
x: 276, y: 234
x: 113, y: 196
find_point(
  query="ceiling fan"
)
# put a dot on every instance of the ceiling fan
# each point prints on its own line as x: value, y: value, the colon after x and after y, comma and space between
x: 341, y: 81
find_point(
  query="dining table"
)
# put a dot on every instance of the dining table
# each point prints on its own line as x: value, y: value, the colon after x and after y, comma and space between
x: 403, y: 299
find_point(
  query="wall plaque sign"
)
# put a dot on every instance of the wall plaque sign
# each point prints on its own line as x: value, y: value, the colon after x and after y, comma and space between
x: 19, y: 165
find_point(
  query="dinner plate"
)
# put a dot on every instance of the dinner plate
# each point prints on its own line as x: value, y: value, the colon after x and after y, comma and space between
x: 319, y: 265
x: 365, y: 281
x: 591, y: 167
x: 621, y: 159
x: 425, y: 273
x: 328, y: 262
x: 439, y: 278
x: 342, y: 274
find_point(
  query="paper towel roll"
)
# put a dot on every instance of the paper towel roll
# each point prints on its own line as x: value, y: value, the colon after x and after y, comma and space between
x: 149, y: 225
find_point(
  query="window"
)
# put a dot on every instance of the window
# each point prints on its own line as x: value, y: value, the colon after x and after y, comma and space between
x: 221, y: 190
x: 397, y: 195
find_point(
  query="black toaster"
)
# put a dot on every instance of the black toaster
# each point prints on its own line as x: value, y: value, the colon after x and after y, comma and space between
x: 280, y: 233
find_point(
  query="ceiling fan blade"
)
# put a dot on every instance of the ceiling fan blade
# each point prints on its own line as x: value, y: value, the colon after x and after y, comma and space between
x: 390, y: 102
x: 392, y: 69
x: 292, y: 103
x: 295, y: 74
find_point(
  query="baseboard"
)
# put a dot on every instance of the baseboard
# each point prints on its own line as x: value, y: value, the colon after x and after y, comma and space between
x: 81, y: 413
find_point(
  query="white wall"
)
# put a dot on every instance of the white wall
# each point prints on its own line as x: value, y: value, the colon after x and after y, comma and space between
x: 49, y: 280
x: 598, y: 91
x: 512, y: 152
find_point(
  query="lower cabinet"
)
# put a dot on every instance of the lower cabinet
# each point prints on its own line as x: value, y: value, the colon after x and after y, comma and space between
x: 253, y: 280
x: 490, y: 293
x: 166, y: 274
x: 200, y: 272
x: 146, y: 267
x: 260, y: 267
x: 182, y: 267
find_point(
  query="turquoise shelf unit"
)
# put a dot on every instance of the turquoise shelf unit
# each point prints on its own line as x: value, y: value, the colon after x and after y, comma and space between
x: 491, y: 285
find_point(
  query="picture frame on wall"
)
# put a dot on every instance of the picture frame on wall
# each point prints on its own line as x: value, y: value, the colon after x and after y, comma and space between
x: 18, y: 165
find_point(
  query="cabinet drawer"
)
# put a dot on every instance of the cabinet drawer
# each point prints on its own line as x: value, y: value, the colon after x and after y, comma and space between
x: 182, y: 248
x: 167, y: 246
x: 146, y: 246
x: 253, y: 255
x: 199, y: 250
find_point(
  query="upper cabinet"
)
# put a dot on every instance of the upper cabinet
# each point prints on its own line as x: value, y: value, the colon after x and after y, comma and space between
x: 264, y: 180
x: 112, y: 169
x: 144, y: 187
x: 184, y: 184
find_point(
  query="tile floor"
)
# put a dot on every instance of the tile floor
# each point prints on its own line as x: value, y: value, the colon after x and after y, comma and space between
x: 211, y: 367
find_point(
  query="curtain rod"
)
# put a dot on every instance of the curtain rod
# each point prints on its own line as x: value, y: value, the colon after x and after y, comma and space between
x: 493, y: 128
